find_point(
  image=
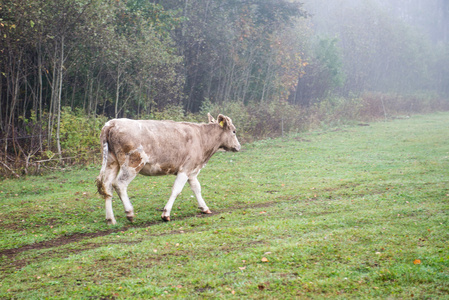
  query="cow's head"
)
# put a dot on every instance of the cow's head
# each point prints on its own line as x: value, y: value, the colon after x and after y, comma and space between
x: 228, y: 139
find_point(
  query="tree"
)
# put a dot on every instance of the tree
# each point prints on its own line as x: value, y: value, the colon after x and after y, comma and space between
x: 227, y: 48
x: 323, y: 73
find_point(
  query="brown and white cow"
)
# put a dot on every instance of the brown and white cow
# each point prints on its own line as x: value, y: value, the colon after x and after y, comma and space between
x: 152, y: 148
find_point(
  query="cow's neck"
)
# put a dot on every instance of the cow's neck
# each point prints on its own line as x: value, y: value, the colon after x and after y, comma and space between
x: 211, y: 140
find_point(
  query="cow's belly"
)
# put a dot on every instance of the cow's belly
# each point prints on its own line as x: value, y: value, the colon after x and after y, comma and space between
x: 158, y: 169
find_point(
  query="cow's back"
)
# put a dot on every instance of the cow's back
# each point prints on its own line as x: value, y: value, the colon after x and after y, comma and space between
x: 160, y: 147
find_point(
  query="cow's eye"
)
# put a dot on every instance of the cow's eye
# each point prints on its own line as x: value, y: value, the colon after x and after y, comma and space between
x: 233, y: 132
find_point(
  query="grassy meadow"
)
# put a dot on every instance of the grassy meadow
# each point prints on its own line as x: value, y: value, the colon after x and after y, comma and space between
x: 349, y: 212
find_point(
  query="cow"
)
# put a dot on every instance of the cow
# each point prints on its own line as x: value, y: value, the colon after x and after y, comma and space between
x: 153, y: 148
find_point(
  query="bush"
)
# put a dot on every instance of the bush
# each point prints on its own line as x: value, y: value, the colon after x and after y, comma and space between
x: 79, y: 134
x: 335, y: 111
x: 380, y: 105
x: 257, y: 121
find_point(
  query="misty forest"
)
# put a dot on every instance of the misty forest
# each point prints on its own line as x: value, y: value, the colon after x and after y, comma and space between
x: 274, y: 66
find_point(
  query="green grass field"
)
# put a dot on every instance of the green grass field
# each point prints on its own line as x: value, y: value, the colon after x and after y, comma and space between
x: 352, y: 212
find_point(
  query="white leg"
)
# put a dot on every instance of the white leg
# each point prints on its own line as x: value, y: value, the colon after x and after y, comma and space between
x: 125, y: 176
x: 109, y: 213
x: 180, y: 181
x: 107, y: 176
x: 196, y: 188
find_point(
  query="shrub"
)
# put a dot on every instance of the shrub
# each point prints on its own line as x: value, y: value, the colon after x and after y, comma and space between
x: 79, y: 134
x: 381, y: 105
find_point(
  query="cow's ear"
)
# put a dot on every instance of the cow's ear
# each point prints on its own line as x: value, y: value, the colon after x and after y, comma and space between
x: 211, y: 119
x: 222, y: 121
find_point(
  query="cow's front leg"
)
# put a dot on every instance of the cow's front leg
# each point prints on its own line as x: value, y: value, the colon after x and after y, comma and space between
x: 180, y: 181
x: 196, y: 188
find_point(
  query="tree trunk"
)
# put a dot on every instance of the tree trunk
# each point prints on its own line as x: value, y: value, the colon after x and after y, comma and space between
x: 58, y: 126
x: 51, y: 110
x: 15, y: 73
x: 117, y: 90
x: 1, y: 93
x: 73, y: 91
x: 39, y: 70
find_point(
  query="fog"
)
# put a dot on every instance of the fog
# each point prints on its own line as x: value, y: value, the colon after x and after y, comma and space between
x: 67, y: 62
x: 430, y: 17
x: 396, y: 46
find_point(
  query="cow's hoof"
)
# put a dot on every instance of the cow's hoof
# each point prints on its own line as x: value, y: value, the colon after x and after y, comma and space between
x: 207, y: 211
x: 130, y: 218
x: 111, y: 221
x: 166, y: 218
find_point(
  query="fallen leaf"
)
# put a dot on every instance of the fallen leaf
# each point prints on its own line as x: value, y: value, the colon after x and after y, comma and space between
x: 417, y: 261
x: 233, y: 292
x: 242, y: 268
x: 261, y: 287
x: 264, y: 259
x: 263, y: 212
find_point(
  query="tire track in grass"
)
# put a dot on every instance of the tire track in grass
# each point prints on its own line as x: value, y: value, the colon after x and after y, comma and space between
x: 77, y: 237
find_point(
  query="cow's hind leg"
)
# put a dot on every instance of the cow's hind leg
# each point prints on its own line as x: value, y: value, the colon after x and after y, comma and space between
x: 124, y: 177
x: 104, y: 184
x: 180, y: 181
x: 196, y: 188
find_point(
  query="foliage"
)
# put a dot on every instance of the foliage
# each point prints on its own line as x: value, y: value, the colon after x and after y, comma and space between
x: 79, y: 135
x: 381, y: 51
x: 353, y: 213
x: 323, y: 73
x: 170, y: 59
x: 240, y: 50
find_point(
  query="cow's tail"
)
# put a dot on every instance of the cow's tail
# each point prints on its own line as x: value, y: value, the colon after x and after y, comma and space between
x: 102, y: 190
